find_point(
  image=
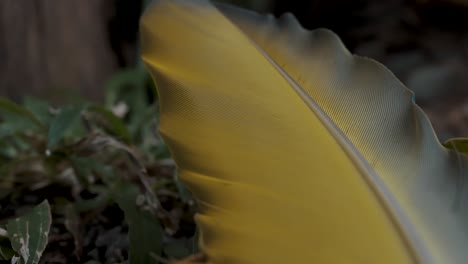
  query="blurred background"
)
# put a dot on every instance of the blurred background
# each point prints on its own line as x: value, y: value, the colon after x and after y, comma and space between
x: 64, y: 50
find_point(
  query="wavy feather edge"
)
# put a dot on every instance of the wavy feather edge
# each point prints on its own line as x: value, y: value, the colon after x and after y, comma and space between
x: 341, y: 137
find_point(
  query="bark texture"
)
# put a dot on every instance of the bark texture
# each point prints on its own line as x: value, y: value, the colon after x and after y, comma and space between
x: 57, y: 49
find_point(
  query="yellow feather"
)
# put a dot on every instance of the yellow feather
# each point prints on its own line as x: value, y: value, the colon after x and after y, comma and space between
x: 297, y: 151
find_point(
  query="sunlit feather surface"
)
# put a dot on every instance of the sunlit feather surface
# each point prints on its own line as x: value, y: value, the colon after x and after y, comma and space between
x: 297, y: 151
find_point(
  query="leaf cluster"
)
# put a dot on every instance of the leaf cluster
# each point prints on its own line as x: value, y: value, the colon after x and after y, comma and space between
x: 86, y: 170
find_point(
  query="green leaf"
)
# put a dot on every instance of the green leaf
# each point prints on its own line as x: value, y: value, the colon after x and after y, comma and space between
x: 184, y: 193
x: 83, y: 168
x: 145, y: 232
x: 179, y: 248
x: 39, y: 108
x: 125, y: 85
x: 29, y: 233
x: 458, y: 144
x: 86, y: 167
x: 67, y: 117
x: 131, y: 86
x: 195, y: 247
x: 142, y: 120
x: 6, y: 252
x: 117, y: 126
x: 18, y: 112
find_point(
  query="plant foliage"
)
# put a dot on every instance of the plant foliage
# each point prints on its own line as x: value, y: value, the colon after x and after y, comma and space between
x: 88, y: 160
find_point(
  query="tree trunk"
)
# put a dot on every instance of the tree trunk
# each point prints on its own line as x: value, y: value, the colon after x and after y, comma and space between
x: 57, y: 49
